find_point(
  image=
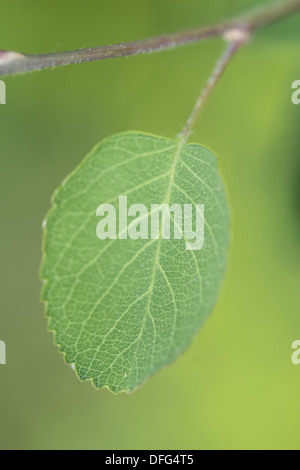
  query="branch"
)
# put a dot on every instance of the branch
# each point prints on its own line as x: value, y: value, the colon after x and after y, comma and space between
x: 14, y: 62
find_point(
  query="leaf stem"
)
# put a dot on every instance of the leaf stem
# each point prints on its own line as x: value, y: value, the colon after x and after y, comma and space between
x: 15, y: 62
x: 236, y: 38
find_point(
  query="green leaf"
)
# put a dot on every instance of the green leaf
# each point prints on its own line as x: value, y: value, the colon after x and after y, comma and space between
x: 122, y: 309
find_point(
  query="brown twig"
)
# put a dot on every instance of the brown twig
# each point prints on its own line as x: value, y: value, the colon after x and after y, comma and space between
x: 14, y: 62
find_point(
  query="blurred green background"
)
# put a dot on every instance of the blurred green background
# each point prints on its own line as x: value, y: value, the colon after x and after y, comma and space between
x: 236, y: 387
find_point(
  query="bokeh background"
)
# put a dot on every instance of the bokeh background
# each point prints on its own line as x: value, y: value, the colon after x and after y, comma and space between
x: 236, y: 387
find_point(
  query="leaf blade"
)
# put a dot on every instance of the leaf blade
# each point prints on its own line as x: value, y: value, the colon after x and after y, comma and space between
x: 123, y: 311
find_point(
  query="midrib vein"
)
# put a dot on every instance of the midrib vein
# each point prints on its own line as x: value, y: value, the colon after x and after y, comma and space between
x: 157, y: 256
